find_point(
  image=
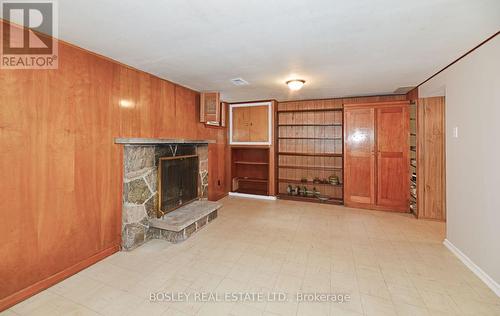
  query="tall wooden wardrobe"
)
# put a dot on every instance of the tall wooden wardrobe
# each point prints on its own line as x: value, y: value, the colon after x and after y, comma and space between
x: 376, y: 164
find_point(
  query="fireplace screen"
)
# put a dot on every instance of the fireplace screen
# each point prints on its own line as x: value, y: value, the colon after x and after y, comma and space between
x: 177, y: 182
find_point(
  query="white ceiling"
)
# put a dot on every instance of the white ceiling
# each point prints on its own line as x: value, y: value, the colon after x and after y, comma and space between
x: 341, y: 48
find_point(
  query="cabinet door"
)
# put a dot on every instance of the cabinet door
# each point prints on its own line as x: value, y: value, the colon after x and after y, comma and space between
x: 259, y: 123
x: 241, y: 124
x: 359, y: 178
x: 210, y: 108
x: 392, y: 157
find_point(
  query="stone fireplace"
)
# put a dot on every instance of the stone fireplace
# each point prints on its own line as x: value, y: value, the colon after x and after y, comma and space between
x: 141, y: 189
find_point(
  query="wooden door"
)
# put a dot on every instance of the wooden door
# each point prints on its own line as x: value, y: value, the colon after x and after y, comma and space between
x: 241, y: 124
x: 359, y: 173
x: 259, y: 123
x: 392, y: 143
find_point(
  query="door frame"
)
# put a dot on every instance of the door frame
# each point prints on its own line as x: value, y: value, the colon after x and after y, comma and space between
x: 270, y: 122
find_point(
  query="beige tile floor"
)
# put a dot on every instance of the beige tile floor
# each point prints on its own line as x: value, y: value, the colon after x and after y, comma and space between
x: 389, y: 264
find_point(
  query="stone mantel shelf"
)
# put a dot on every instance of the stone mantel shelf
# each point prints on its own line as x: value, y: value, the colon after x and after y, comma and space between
x: 156, y: 141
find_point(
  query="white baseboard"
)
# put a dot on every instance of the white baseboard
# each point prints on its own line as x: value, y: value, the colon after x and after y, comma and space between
x: 492, y: 284
x: 253, y: 196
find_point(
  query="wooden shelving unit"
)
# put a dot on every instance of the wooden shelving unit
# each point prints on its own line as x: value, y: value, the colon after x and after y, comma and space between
x: 310, y: 147
x: 250, y: 170
x: 309, y: 125
x: 332, y: 200
x: 251, y: 163
x: 283, y: 153
x: 413, y: 158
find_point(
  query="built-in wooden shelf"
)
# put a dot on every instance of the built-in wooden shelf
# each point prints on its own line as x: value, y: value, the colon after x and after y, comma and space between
x: 309, y: 167
x: 311, y: 148
x: 250, y: 170
x: 251, y: 163
x: 319, y: 125
x: 313, y: 138
x: 310, y: 199
x: 309, y: 154
x: 252, y: 180
x: 310, y: 110
x: 254, y: 191
x: 309, y: 182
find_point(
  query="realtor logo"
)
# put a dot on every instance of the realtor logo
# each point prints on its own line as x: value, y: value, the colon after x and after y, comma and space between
x: 28, y: 34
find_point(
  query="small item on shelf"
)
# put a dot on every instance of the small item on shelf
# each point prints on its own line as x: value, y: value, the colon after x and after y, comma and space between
x: 334, y: 180
x: 303, y: 191
x: 413, y: 207
x: 315, y: 192
x: 289, y: 189
x: 316, y: 180
x: 310, y: 193
x: 323, y: 198
x: 303, y: 180
x: 299, y: 191
x: 414, y: 177
x: 296, y: 191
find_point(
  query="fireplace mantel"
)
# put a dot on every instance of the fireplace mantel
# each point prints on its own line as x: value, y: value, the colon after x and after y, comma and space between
x: 156, y: 141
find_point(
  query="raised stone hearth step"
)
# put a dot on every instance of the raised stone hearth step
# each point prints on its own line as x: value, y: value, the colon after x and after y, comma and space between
x: 178, y: 225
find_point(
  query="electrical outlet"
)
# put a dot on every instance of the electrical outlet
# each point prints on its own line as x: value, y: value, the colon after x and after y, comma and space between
x: 455, y: 132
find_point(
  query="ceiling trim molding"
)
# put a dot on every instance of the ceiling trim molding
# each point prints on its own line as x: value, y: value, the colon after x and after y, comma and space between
x: 459, y: 58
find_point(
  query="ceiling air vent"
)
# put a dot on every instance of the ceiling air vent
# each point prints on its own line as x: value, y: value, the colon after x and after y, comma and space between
x: 239, y: 82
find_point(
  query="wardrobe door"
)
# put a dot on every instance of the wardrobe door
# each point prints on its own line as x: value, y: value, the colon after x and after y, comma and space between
x: 359, y: 160
x: 392, y: 143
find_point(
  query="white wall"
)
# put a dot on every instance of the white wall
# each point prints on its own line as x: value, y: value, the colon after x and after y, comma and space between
x: 472, y: 91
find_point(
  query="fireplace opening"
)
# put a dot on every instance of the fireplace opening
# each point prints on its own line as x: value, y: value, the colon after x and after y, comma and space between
x: 177, y: 182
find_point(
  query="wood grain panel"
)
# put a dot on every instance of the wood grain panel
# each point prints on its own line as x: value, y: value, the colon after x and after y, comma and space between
x: 431, y: 168
x: 61, y: 185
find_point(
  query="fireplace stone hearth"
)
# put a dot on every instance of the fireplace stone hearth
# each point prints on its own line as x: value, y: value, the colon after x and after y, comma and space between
x: 178, y: 225
x: 140, y: 186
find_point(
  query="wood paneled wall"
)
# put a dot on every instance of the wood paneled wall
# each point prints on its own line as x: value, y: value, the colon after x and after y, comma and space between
x: 431, y: 160
x: 61, y: 173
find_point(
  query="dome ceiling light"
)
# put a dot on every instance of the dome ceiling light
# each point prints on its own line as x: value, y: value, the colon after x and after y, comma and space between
x: 295, y: 84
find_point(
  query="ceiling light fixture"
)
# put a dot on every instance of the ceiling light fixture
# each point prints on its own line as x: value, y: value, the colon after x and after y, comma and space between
x: 295, y: 84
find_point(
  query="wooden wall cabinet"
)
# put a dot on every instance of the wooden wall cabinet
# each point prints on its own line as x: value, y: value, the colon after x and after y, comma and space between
x: 252, y: 152
x: 250, y: 123
x: 376, y: 155
x: 210, y: 108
